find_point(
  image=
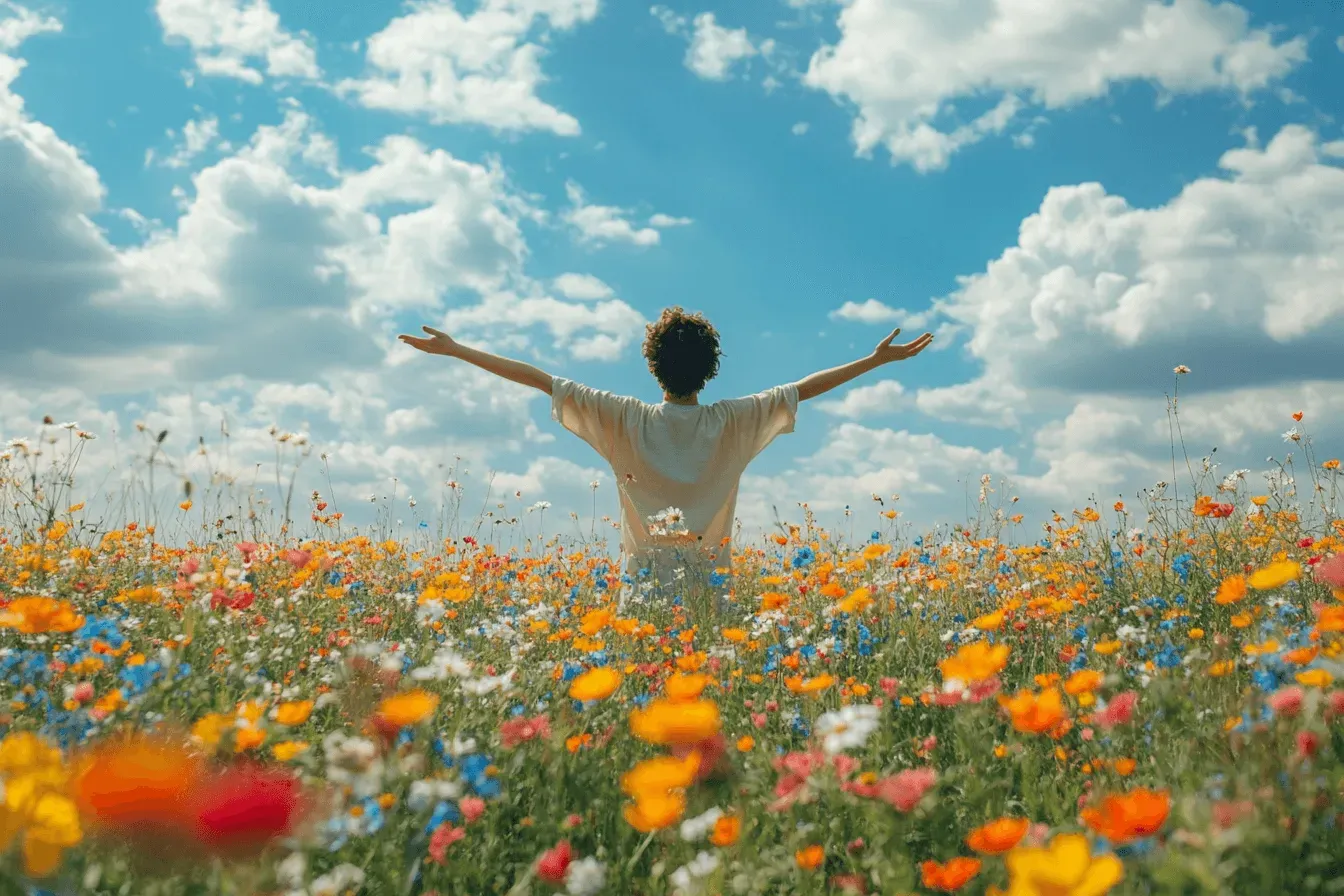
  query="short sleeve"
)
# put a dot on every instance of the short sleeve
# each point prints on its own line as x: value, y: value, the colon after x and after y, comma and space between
x: 755, y: 421
x: 594, y: 416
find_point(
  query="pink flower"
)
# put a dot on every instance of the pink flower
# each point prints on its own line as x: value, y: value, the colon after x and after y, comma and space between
x: 759, y: 719
x: 247, y: 548
x: 1087, y: 734
x: 1037, y: 834
x: 1308, y: 742
x: 471, y: 807
x: 1286, y: 702
x: 1331, y: 572
x: 888, y: 686
x: 1119, y: 711
x: 1227, y: 814
x: 904, y: 790
x: 297, y: 559
x: 1335, y: 702
x: 772, y: 706
x: 573, y: 821
x: 189, y: 567
x: 83, y: 692
x: 983, y: 690
x: 520, y: 730
x: 929, y: 743
x: 445, y: 835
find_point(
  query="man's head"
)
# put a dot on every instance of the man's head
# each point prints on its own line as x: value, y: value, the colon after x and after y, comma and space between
x: 683, y: 352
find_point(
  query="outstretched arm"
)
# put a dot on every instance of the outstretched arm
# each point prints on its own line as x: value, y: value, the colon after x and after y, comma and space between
x: 442, y: 344
x: 824, y: 381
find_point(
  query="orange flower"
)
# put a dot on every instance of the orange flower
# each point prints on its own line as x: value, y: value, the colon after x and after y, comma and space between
x: 998, y: 836
x: 726, y: 830
x: 1035, y: 713
x: 1123, y: 818
x: 681, y: 724
x: 41, y: 615
x: 138, y: 788
x: 595, y: 684
x: 800, y: 685
x: 293, y: 713
x: 407, y: 708
x: 975, y: 662
x: 949, y: 877
x: 1231, y: 590
x: 684, y: 688
x: 810, y: 858
x: 1082, y: 682
x: 654, y: 811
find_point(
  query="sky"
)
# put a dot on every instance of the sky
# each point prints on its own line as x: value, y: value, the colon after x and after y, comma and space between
x: 217, y: 215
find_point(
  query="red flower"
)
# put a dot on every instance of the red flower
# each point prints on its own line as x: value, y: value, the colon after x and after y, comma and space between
x: 445, y: 835
x: 242, y: 601
x: 554, y: 863
x: 245, y: 808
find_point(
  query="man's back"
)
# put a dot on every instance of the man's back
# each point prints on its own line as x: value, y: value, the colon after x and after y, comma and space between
x: 684, y: 456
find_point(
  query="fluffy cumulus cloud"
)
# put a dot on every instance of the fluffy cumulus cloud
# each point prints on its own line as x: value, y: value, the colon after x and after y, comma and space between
x: 924, y: 472
x: 238, y: 39
x: 914, y: 72
x: 1238, y: 277
x: 713, y: 50
x: 481, y: 68
x: 869, y: 400
x: 269, y: 305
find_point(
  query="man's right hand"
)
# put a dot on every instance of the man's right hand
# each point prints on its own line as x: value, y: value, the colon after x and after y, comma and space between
x: 886, y: 352
x: 438, y: 343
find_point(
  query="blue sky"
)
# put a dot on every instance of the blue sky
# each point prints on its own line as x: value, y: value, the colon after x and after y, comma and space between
x: 741, y: 126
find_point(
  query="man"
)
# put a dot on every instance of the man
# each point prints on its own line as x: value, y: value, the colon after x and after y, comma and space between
x: 677, y: 464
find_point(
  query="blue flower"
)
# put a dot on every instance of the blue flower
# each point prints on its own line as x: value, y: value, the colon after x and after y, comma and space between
x: 803, y: 557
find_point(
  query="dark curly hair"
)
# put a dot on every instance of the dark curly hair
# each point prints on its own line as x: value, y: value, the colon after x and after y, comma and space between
x: 682, y: 350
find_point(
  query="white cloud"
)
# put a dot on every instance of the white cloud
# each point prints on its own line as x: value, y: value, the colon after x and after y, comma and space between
x: 18, y: 23
x: 981, y: 402
x: 227, y: 35
x: 661, y: 220
x: 584, y: 287
x: 475, y: 69
x: 1239, y: 277
x: 881, y: 397
x: 799, y: 128
x: 871, y: 311
x: 713, y: 50
x: 404, y: 420
x: 1339, y: 42
x: 546, y: 476
x: 197, y: 135
x: 911, y: 70
x: 589, y: 331
x: 600, y: 224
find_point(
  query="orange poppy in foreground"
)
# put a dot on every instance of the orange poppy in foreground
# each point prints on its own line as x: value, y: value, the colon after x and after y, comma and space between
x: 1122, y: 818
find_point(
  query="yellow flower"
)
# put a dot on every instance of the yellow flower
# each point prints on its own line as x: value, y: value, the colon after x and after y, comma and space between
x: 595, y: 684
x: 1314, y: 678
x: 210, y: 728
x: 1065, y: 868
x: 990, y: 622
x: 36, y: 803
x: 1276, y: 575
x: 287, y: 750
x: 408, y: 708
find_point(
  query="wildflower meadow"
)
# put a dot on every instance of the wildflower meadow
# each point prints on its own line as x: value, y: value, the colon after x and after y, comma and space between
x: 1135, y: 696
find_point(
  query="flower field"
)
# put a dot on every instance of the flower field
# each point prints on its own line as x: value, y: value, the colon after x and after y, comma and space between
x: 1123, y: 700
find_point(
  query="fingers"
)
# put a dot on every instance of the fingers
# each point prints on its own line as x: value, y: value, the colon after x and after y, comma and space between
x: 433, y: 332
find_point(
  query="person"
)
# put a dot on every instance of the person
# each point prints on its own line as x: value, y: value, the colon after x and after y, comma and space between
x: 678, y: 463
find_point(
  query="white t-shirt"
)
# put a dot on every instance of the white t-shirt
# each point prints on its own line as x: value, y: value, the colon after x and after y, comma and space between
x: 688, y: 457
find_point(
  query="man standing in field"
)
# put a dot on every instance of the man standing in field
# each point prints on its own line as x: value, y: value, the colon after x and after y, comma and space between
x: 677, y: 463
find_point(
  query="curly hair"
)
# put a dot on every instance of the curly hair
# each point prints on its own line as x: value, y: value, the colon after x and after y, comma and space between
x: 682, y: 350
